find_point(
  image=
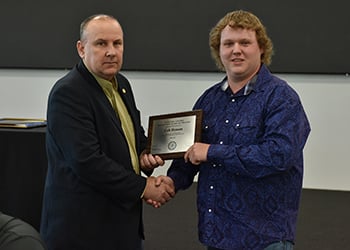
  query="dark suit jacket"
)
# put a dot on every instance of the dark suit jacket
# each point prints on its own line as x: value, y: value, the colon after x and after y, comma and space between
x: 92, y: 194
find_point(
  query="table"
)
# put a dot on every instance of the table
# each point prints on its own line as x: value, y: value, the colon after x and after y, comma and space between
x: 23, y: 166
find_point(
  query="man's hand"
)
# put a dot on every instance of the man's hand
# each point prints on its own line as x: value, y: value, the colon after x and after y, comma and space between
x: 197, y: 153
x: 148, y: 162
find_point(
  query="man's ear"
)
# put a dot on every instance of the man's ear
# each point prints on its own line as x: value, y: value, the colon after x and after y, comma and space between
x: 80, y: 49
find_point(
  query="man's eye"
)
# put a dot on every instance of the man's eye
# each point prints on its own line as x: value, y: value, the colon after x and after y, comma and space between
x: 100, y: 43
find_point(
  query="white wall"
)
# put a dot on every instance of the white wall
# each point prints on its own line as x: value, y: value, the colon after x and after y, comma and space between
x: 326, y: 98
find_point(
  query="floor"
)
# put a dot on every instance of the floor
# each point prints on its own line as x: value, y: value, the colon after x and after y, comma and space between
x: 323, y: 224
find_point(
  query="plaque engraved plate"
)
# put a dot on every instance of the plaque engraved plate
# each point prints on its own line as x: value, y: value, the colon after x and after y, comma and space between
x: 170, y: 135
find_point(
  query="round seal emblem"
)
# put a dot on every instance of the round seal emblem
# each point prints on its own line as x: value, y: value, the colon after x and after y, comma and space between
x: 172, y: 145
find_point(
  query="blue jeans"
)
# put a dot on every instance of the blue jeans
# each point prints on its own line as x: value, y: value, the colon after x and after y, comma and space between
x: 141, y: 245
x: 281, y: 245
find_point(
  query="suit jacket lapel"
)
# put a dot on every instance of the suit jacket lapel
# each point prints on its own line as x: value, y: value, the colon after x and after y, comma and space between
x: 100, y: 94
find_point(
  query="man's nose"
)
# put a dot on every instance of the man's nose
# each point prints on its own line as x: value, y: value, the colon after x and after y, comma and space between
x: 110, y: 51
x: 236, y: 48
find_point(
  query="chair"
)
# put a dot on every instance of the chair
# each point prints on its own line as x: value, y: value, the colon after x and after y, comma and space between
x: 16, y: 234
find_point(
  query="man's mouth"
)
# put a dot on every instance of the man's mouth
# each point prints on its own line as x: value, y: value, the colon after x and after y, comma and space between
x: 111, y: 63
x: 237, y: 60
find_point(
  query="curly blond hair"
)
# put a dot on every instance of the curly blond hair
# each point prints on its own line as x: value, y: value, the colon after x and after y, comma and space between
x: 240, y: 19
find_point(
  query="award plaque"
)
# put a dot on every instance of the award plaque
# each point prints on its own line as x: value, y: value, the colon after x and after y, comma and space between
x: 170, y: 135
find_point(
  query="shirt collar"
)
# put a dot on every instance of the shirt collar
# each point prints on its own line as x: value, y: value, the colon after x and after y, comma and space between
x: 248, y: 88
x: 105, y: 83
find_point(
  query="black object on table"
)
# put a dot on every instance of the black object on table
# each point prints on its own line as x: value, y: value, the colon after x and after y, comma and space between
x: 23, y: 166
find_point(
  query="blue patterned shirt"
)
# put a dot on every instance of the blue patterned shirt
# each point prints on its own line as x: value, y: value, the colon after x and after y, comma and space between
x: 249, y: 188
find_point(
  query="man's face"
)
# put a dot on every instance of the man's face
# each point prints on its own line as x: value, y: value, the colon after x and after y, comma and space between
x: 101, y: 47
x: 239, y: 52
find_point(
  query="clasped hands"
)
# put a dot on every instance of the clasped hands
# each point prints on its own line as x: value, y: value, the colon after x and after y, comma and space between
x: 159, y: 190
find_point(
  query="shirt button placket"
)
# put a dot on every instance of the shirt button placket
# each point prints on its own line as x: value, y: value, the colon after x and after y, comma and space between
x: 211, y: 189
x: 227, y: 121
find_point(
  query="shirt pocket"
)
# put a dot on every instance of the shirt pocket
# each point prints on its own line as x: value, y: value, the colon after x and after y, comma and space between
x: 247, y: 132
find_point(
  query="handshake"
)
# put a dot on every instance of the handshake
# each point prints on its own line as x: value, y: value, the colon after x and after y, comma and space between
x: 159, y: 190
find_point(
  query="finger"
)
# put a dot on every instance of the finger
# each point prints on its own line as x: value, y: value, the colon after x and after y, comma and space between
x: 159, y: 160
x: 166, y: 196
x: 167, y: 180
x: 144, y: 160
x: 187, y: 156
x: 162, y: 200
x: 152, y: 161
x: 158, y: 181
x: 195, y: 161
x: 156, y: 204
x: 149, y: 201
x: 170, y: 190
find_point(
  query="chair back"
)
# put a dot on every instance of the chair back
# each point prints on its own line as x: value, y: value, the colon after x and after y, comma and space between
x: 16, y: 234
